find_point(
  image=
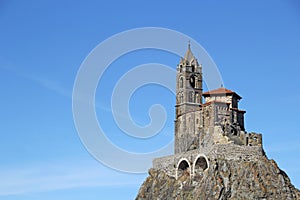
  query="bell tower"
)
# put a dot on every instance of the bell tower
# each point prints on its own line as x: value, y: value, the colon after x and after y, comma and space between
x: 188, y: 103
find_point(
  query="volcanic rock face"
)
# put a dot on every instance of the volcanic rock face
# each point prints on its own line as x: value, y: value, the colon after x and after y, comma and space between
x: 224, y: 179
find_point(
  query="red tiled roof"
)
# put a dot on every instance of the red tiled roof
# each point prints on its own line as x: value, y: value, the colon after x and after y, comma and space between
x: 220, y: 91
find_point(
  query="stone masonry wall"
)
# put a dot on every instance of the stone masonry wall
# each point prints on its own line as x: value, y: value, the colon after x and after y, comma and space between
x: 168, y: 164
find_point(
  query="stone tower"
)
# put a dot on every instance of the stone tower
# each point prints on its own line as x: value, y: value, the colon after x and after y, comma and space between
x: 188, y: 103
x: 215, y: 157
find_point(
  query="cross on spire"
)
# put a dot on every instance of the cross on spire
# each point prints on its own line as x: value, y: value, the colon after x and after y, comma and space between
x: 189, y: 55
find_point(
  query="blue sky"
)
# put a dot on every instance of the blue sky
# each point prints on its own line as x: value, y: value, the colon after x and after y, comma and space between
x: 255, y: 45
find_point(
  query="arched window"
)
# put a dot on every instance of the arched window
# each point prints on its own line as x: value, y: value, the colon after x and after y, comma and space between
x: 193, y: 68
x: 197, y: 98
x: 196, y: 82
x: 192, y: 97
x: 181, y: 82
x: 181, y: 98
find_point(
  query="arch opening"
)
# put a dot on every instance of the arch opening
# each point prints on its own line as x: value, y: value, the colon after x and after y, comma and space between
x: 201, y: 165
x: 181, y: 82
x: 183, y: 168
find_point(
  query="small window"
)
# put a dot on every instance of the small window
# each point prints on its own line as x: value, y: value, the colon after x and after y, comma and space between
x: 196, y: 82
x: 181, y: 98
x: 192, y: 97
x: 197, y: 98
x: 193, y: 68
x: 181, y: 82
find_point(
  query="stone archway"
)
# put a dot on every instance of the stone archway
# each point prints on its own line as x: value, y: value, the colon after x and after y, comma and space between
x: 200, y: 164
x: 183, y: 168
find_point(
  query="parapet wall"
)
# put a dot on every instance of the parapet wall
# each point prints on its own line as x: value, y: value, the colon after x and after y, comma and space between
x: 170, y: 163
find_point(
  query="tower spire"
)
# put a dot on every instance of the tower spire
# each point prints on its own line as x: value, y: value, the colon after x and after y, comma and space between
x: 189, y: 56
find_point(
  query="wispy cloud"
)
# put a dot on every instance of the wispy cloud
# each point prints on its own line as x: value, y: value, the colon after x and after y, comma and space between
x: 61, y: 175
x: 48, y: 84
